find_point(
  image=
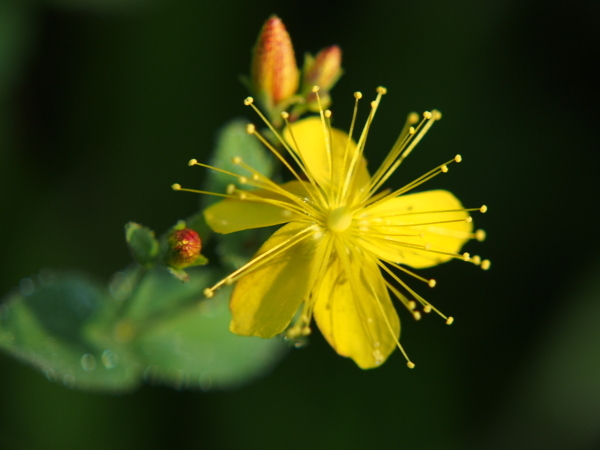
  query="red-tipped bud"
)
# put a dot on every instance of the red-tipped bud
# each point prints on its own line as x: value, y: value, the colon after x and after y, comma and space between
x: 274, y: 73
x: 324, y: 69
x: 184, y: 248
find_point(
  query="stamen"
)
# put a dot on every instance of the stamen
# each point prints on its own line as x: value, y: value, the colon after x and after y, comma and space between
x: 485, y: 264
x: 274, y: 187
x: 284, y: 144
x: 297, y: 156
x: 357, y: 97
x: 259, y: 260
x: 420, y: 180
x: 400, y: 153
x: 360, y: 146
x: 344, y: 259
x: 177, y: 187
x: 405, y: 286
x: 383, y: 314
x: 326, y: 131
x: 414, y: 213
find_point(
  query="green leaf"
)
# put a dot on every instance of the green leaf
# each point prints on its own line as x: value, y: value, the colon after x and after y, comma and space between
x: 47, y: 323
x: 236, y: 249
x: 72, y: 330
x: 142, y: 242
x: 193, y: 346
x: 233, y: 140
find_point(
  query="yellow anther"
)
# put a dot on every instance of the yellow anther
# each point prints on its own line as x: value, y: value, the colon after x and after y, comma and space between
x: 469, y: 219
x: 450, y: 320
x: 256, y: 177
x: 412, y: 305
x: 243, y: 180
x: 466, y: 256
x: 373, y: 104
x: 248, y: 101
x: 417, y: 315
x: 413, y: 117
x: 230, y: 189
x: 485, y: 264
x: 410, y: 365
x: 476, y: 260
x: 315, y: 88
x: 427, y: 115
x: 483, y: 209
x: 444, y: 168
x: 381, y: 90
x: 176, y: 187
x: 432, y: 283
x: 208, y: 293
x: 327, y: 113
x: 250, y: 128
x: 285, y: 115
x: 458, y: 158
x: 236, y: 160
x: 427, y: 309
x: 358, y: 95
x: 412, y: 130
x: 436, y: 114
x: 192, y: 162
x: 480, y: 235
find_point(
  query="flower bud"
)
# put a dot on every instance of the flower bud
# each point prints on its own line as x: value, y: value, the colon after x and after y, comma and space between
x: 274, y: 73
x: 184, y: 248
x: 323, y: 70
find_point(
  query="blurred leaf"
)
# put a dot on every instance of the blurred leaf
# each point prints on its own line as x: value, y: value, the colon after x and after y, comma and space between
x: 142, y: 243
x: 233, y: 140
x: 236, y: 249
x: 194, y: 347
x: 74, y: 332
x: 46, y: 324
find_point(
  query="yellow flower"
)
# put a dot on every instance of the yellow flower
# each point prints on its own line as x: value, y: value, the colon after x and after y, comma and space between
x: 344, y: 241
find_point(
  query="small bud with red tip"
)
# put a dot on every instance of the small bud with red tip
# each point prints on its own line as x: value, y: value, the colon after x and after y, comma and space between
x: 184, y: 248
x: 323, y: 70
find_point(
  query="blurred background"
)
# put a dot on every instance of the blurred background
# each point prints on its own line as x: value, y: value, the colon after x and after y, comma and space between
x: 103, y: 102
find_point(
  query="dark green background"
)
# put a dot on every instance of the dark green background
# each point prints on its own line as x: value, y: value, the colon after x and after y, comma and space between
x: 102, y: 103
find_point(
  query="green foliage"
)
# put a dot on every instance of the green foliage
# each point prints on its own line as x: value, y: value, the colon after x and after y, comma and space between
x: 47, y: 324
x: 233, y: 140
x: 236, y: 249
x: 142, y: 243
x: 74, y: 331
x: 145, y: 324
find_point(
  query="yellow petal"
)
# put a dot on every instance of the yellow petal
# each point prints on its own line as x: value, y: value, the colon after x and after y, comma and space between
x: 396, y: 217
x: 310, y: 138
x: 232, y: 215
x: 264, y: 302
x: 348, y: 311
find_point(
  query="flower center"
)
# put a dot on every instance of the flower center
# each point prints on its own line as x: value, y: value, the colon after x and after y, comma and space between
x: 339, y: 219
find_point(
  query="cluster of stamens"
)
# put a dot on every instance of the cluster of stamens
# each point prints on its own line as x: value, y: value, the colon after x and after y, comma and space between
x: 330, y: 210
